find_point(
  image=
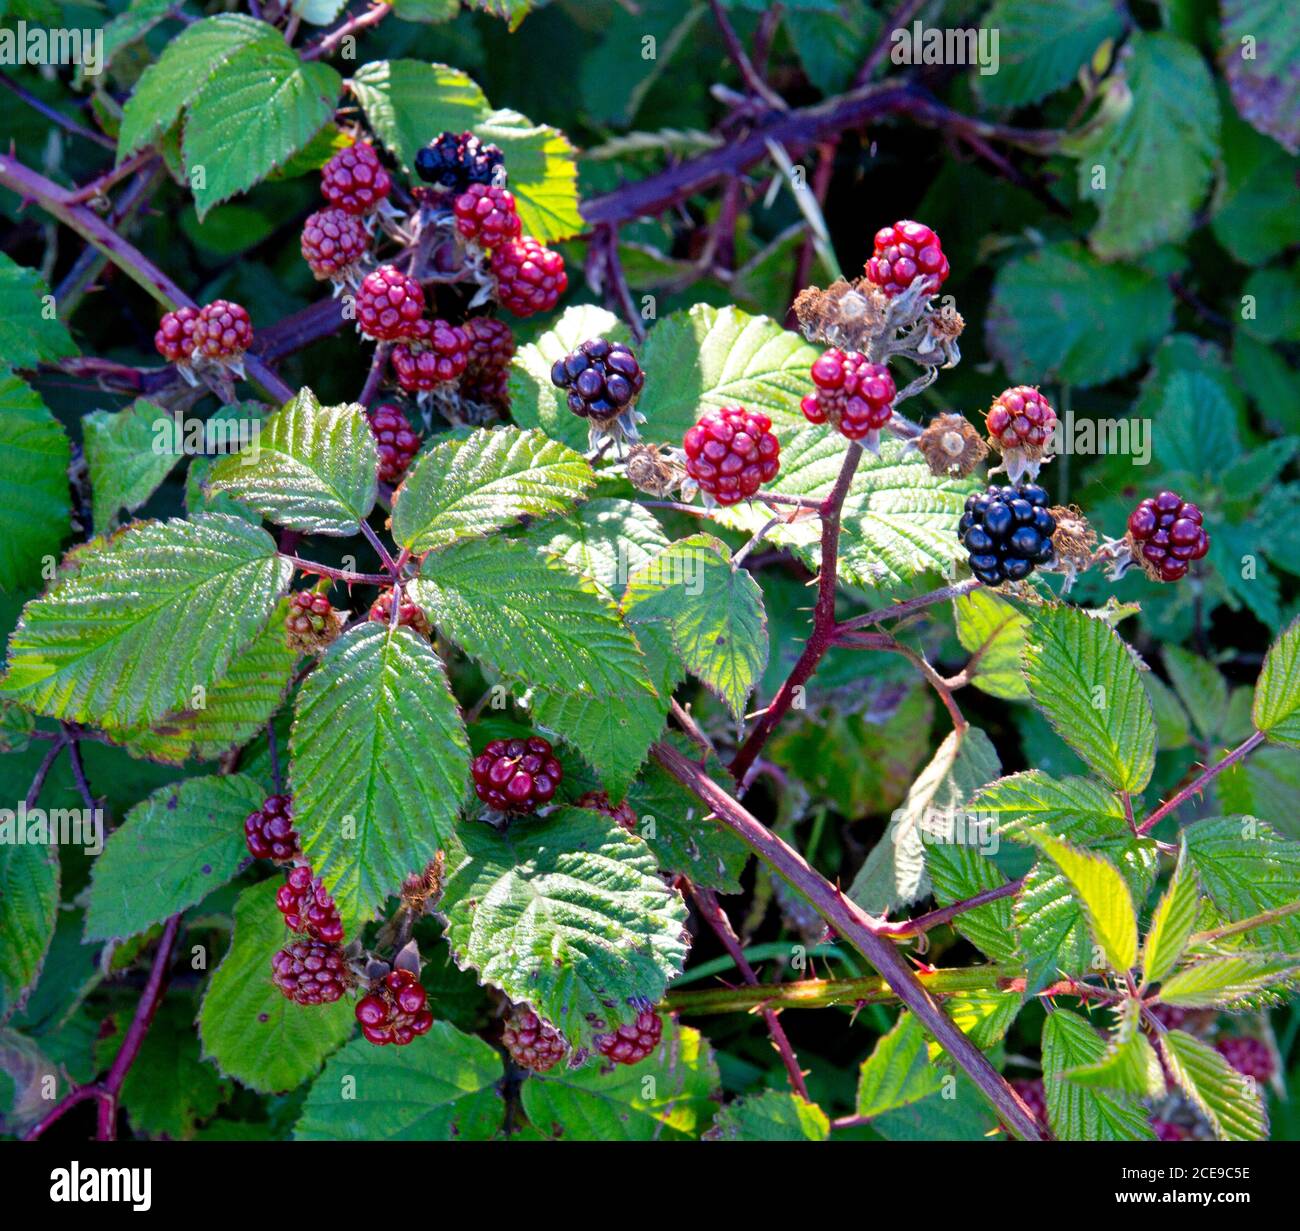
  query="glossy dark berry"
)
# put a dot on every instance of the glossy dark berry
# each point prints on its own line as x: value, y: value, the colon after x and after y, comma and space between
x: 1166, y: 530
x: 269, y: 830
x: 390, y: 304
x: 853, y: 393
x: 434, y: 354
x: 632, y: 1044
x: 731, y: 453
x: 598, y: 801
x: 307, y: 907
x: 532, y: 1043
x: 529, y: 277
x: 222, y: 331
x: 487, y: 215
x: 1021, y: 418
x: 1250, y: 1057
x: 354, y: 180
x: 516, y: 775
x: 311, y: 972
x: 451, y: 162
x: 491, y: 348
x: 408, y: 614
x: 174, y: 340
x: 395, y: 439
x: 1008, y: 532
x: 903, y: 252
x: 600, y: 379
x: 333, y: 241
x: 395, y: 1010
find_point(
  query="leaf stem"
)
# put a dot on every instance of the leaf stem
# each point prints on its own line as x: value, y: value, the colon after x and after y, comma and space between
x: 933, y: 919
x: 326, y: 43
x: 338, y: 574
x: 911, y: 605
x: 1199, y: 782
x: 380, y: 550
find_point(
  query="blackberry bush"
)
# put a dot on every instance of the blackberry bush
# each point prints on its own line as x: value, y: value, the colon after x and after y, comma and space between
x: 562, y: 674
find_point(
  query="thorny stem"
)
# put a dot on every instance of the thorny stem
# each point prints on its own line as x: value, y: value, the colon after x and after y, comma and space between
x: 618, y: 282
x: 753, y: 80
x: 1198, y: 784
x: 380, y: 550
x: 338, y: 574
x: 897, y: 610
x: 1262, y: 920
x: 945, y: 914
x: 327, y: 43
x: 43, y: 770
x: 706, y: 901
x: 56, y: 116
x: 819, y: 640
x: 857, y: 928
x: 882, y: 641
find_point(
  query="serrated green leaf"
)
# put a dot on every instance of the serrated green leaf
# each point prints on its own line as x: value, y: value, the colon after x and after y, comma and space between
x: 30, y: 330
x: 1129, y: 1065
x: 29, y: 904
x: 1171, y: 924
x: 1276, y: 711
x: 126, y: 465
x: 505, y: 603
x: 994, y: 633
x: 171, y: 851
x: 431, y: 11
x: 713, y: 610
x: 467, y: 488
x: 605, y: 540
x: 666, y: 1097
x: 1104, y: 895
x: 311, y: 468
x: 543, y: 169
x: 774, y: 1115
x: 1226, y: 1098
x: 1266, y: 784
x: 1043, y: 44
x: 1246, y: 869
x: 534, y: 401
x: 894, y: 874
x: 957, y: 871
x: 247, y: 1026
x: 35, y: 505
x: 444, y: 1088
x: 1079, y: 1113
x: 1073, y: 808
x: 183, y: 71
x: 139, y: 17
x: 378, y: 761
x: 1083, y: 677
x: 567, y: 914
x: 408, y: 102
x: 235, y: 709
x: 266, y: 106
x: 898, y: 1072
x: 1164, y: 141
x: 984, y: 1015
x: 112, y: 641
x: 1264, y: 84
x: 1227, y: 982
x: 712, y: 357
x: 1173, y: 727
x: 1059, y: 314
x: 1201, y: 688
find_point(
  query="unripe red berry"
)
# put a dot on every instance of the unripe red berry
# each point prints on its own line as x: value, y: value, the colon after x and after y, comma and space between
x: 904, y: 252
x: 532, y: 1043
x: 333, y: 241
x: 174, y: 340
x: 731, y: 453
x: 491, y: 347
x: 390, y: 304
x: 436, y: 353
x: 408, y: 614
x: 852, y: 392
x: 394, y: 1010
x: 1166, y: 535
x: 269, y: 830
x: 529, y: 277
x: 222, y: 331
x: 632, y: 1044
x: 354, y: 180
x: 516, y: 775
x: 311, y: 972
x: 395, y: 439
x: 1021, y: 418
x: 1250, y: 1057
x: 487, y: 215
x: 308, y: 907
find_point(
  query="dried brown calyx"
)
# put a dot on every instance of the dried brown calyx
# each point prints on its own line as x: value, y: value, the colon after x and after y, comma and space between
x: 952, y: 446
x: 653, y: 470
x: 848, y: 315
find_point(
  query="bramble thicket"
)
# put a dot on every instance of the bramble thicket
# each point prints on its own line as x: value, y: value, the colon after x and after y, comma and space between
x: 743, y: 589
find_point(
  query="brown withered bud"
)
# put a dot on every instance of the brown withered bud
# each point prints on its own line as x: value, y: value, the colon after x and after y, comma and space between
x: 420, y: 888
x: 952, y: 446
x: 848, y: 315
x: 1073, y: 539
x: 651, y: 470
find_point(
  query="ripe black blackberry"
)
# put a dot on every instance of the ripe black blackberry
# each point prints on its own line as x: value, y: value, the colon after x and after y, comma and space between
x: 1008, y: 531
x: 269, y: 830
x: 532, y: 1043
x: 600, y: 378
x: 451, y: 162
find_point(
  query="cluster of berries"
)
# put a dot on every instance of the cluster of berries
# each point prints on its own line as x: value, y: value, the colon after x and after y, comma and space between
x: 1008, y: 531
x: 903, y: 253
x: 336, y: 240
x: 312, y: 623
x: 394, y: 1010
x: 218, y: 333
x: 1165, y: 535
x: 409, y: 615
x: 731, y: 452
x: 516, y: 775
